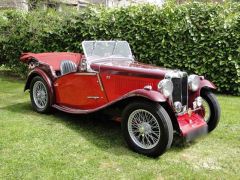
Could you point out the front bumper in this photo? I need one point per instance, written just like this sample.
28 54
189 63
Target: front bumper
192 126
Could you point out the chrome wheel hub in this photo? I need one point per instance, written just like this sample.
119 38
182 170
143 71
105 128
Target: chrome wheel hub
143 129
40 95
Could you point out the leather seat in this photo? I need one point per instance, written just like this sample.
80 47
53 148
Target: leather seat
67 66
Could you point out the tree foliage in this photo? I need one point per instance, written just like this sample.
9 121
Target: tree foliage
199 38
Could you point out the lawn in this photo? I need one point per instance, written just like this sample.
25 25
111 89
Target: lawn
63 146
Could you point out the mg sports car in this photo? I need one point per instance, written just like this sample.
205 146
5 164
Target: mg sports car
153 104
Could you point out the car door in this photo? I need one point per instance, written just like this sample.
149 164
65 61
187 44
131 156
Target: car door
80 90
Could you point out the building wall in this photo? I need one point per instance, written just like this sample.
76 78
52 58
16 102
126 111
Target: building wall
122 3
14 4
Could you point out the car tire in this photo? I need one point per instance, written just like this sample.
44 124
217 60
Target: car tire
163 126
214 107
39 94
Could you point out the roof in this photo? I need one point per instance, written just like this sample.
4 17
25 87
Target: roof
97 1
11 3
79 1
68 1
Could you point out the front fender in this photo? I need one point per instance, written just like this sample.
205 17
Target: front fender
206 83
148 94
203 84
38 72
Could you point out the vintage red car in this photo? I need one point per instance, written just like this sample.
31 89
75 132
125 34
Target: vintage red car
152 103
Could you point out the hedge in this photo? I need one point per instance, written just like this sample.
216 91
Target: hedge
196 37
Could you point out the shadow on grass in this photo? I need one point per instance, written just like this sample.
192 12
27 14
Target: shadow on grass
96 128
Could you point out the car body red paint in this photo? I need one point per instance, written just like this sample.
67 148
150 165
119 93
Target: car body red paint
108 83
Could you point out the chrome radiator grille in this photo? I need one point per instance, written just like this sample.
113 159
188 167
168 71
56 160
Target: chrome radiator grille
180 87
185 90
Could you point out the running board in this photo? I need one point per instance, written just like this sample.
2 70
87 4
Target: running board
72 110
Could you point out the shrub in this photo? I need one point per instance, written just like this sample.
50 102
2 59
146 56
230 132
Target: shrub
199 38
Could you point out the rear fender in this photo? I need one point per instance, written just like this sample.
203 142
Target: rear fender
38 72
26 57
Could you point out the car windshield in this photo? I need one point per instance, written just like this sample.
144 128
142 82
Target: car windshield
95 51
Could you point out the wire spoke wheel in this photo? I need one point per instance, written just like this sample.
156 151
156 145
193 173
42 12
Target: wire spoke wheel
147 128
207 111
211 109
40 95
144 129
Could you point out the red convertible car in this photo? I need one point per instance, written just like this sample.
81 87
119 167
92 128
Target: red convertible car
152 103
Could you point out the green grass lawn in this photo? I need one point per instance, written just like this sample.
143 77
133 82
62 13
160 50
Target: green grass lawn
64 146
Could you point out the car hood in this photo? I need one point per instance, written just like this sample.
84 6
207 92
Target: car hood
130 68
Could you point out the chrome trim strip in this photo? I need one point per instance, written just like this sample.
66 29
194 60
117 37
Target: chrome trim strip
86 74
93 97
86 111
185 112
100 82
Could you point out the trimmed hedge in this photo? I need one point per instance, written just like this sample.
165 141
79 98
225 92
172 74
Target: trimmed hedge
199 38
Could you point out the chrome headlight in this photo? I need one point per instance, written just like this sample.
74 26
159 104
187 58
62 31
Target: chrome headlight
193 82
165 87
178 106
